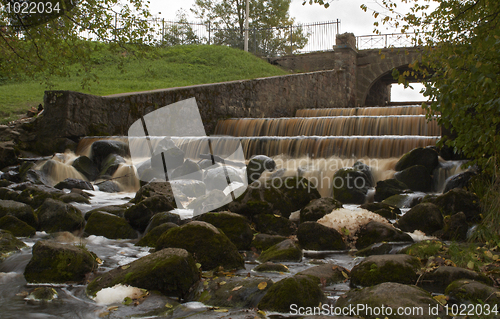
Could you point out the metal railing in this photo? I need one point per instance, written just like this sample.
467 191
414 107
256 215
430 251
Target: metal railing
380 41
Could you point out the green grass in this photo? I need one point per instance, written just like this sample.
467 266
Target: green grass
168 67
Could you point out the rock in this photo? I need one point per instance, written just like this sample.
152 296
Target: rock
286 250
188 170
265 241
426 157
151 237
391 296
388 188
327 274
109 226
280 196
42 294
257 165
381 248
9 244
110 164
377 269
70 183
161 218
271 267
8 155
460 180
58 263
302 291
108 187
21 211
171 271
16 226
74 198
205 163
460 200
55 216
191 188
376 232
443 276
118 210
384 210
209 246
235 227
314 236
367 170
455 227
140 214
318 208
154 188
273 225
101 149
173 156
425 217
402 201
472 292
35 195
86 167
216 178
424 249
350 186
417 178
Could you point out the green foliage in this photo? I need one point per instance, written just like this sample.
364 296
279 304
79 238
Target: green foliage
489 191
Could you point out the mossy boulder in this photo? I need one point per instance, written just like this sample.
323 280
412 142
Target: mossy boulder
286 250
210 247
274 225
42 294
16 226
425 217
416 177
376 232
151 237
58 263
171 271
471 291
154 188
393 295
74 198
35 195
108 186
21 211
382 248
455 228
377 269
9 244
70 183
109 226
118 210
460 180
424 249
403 200
235 227
327 274
271 267
161 218
141 213
350 186
389 187
460 200
189 187
257 165
86 167
442 276
110 164
318 208
101 149
384 210
262 242
314 236
55 216
299 290
426 157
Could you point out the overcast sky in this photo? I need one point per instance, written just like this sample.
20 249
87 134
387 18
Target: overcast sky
351 17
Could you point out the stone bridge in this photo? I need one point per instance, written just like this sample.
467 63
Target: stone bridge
370 71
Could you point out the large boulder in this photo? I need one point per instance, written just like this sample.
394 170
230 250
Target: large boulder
86 167
460 180
101 149
314 236
109 226
384 210
286 250
327 274
35 195
154 188
216 178
390 297
274 225
140 214
110 164
162 218
455 228
257 165
188 170
376 232
70 183
299 291
210 247
438 279
16 227
377 269
55 216
58 263
426 157
389 187
425 217
21 211
350 186
189 187
151 237
235 227
264 241
416 177
171 271
318 208
9 244
8 154
460 200
473 292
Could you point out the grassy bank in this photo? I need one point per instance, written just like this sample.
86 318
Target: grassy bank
166 68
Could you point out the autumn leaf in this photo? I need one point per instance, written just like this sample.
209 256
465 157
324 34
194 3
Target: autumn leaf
262 285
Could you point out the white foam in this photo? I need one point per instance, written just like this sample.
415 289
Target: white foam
351 220
116 294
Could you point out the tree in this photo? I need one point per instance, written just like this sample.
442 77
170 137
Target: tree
52 40
180 32
270 26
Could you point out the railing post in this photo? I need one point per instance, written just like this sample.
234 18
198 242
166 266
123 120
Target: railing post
291 39
162 30
209 32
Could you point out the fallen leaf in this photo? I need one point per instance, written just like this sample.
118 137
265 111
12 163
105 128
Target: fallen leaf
262 285
237 288
470 265
221 310
345 275
126 267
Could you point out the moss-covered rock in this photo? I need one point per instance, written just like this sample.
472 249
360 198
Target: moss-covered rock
416 177
460 180
86 167
426 157
460 200
154 188
35 195
441 277
384 210
16 226
70 183
384 268
109 226
389 187
271 267
74 198
393 295
235 227
55 216
108 186
425 217
42 294
286 250
455 228
314 236
302 291
423 249
377 249
327 274
403 200
318 208
118 210
101 149
110 164
274 225
350 186
210 247
376 232
9 244
161 218
257 165
465 291
151 237
140 214
21 211
58 263
171 271
262 242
